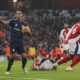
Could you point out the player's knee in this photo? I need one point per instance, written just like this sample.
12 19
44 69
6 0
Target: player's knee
24 55
11 56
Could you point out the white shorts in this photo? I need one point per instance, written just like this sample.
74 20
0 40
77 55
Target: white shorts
74 48
47 65
65 47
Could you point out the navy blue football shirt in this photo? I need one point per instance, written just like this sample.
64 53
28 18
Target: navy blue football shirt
16 29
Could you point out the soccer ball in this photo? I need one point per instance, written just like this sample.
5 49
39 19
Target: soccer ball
24 29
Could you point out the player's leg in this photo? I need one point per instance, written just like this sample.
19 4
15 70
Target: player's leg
75 61
11 58
24 61
65 59
10 63
72 51
21 51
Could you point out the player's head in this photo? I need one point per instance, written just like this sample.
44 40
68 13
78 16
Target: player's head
66 25
43 47
19 15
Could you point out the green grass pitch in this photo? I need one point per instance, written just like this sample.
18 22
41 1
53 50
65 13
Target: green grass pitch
18 74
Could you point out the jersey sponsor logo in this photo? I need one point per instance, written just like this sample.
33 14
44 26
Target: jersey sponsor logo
13 50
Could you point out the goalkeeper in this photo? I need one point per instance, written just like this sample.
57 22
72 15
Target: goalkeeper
18 27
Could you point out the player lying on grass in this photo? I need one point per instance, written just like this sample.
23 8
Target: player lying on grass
63 35
73 41
46 65
18 27
45 62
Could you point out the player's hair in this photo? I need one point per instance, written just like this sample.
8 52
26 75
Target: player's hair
18 11
66 24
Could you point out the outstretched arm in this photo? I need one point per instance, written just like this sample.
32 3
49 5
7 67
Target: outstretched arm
29 31
4 21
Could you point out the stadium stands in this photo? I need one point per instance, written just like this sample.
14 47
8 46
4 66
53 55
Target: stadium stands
45 25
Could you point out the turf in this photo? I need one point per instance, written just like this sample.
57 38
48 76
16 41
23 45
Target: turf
18 74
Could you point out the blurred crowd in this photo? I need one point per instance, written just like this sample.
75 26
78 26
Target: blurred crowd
45 27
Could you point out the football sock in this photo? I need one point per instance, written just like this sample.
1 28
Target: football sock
75 60
24 60
65 59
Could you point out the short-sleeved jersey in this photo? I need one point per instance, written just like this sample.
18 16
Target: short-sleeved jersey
74 32
63 33
16 29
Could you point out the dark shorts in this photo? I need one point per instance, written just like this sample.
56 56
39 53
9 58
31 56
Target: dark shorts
17 47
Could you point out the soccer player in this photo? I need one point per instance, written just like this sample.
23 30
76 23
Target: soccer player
57 53
18 28
73 40
62 36
64 31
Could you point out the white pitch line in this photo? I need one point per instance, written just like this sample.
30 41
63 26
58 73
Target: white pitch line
7 77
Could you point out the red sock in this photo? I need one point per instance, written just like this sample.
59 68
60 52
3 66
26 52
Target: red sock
65 59
75 60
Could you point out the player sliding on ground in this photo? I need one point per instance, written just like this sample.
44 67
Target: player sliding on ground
18 27
73 41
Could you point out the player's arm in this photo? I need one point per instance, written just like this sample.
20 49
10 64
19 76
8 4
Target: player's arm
29 31
4 21
69 34
61 34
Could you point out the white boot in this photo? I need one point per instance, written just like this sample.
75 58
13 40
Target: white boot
25 70
69 68
7 72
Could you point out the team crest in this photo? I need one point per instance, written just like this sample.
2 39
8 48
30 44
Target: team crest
16 25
